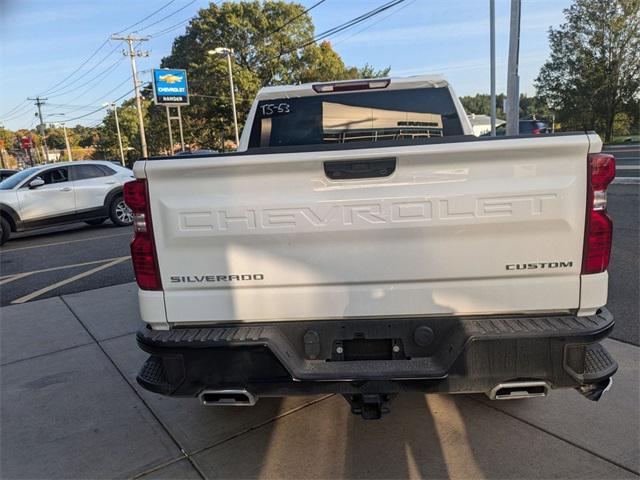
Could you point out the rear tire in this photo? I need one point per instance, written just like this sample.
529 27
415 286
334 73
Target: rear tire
96 221
120 213
5 231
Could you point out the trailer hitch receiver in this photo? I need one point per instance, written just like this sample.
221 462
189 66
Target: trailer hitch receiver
371 406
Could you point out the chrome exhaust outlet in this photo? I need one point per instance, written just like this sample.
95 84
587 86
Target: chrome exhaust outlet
515 390
227 398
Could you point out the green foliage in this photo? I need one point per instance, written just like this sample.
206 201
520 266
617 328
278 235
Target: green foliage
264 37
368 71
55 138
593 72
87 136
530 107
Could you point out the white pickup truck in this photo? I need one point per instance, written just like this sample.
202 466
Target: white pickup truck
361 241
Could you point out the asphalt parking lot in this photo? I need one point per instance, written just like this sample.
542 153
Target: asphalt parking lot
63 260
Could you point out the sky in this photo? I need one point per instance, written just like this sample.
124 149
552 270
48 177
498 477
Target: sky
42 42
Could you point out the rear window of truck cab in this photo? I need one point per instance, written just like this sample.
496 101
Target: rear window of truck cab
368 116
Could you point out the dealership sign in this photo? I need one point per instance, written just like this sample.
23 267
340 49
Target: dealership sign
170 87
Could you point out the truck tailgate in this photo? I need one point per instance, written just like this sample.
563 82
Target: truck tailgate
470 227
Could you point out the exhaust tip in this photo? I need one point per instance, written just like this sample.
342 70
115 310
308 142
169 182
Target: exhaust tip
515 390
227 398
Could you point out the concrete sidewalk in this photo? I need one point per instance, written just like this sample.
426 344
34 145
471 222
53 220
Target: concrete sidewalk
70 408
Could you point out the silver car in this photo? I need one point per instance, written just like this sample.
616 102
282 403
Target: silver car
53 194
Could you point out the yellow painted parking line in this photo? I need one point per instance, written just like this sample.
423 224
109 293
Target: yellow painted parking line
4 250
61 283
18 276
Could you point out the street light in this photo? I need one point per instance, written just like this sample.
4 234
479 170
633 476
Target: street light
66 137
115 113
222 51
66 142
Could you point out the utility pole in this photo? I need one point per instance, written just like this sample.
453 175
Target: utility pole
39 102
233 99
492 35
115 114
2 146
132 54
66 141
513 80
223 51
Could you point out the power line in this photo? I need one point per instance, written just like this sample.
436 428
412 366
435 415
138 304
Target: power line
94 125
98 101
175 26
98 109
147 17
102 45
113 89
170 28
79 107
15 108
165 17
289 22
51 89
18 113
99 80
353 22
334 43
344 26
56 93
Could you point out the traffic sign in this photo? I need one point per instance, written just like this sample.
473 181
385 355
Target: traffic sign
170 87
25 142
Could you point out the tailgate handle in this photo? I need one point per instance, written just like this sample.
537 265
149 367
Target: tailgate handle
369 168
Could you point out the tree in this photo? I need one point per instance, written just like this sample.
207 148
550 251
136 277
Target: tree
593 72
55 138
530 107
480 104
9 138
272 44
87 136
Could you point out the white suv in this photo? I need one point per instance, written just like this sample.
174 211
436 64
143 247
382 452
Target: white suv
46 195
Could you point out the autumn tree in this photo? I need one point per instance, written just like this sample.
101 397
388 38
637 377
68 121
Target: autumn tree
55 138
593 73
272 44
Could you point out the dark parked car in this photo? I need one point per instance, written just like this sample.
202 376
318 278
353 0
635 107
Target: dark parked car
535 127
6 173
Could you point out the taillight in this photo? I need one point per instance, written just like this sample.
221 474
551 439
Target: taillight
143 249
599 228
536 131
